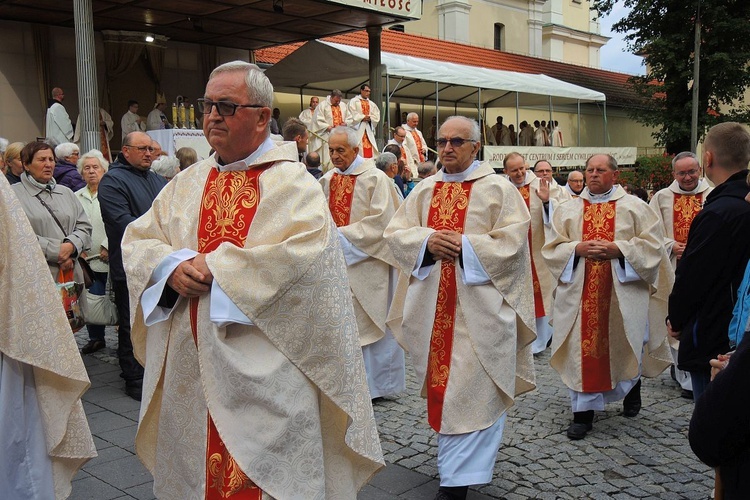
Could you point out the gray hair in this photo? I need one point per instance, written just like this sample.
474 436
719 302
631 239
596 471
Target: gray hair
611 161
573 172
351 135
336 93
3 145
685 154
412 115
166 166
385 160
259 87
65 149
474 132
425 168
97 155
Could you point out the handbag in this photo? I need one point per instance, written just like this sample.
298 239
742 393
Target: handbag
88 273
72 296
101 309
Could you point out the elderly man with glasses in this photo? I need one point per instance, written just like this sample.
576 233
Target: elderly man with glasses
677 205
125 193
254 384
464 305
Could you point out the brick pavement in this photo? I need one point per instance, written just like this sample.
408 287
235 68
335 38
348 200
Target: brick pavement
644 457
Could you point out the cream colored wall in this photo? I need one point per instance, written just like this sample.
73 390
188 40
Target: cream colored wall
577 15
428 24
576 53
482 19
21 110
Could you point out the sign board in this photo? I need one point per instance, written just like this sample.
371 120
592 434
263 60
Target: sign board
407 9
558 157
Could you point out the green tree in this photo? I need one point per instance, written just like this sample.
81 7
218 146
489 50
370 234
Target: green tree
663 30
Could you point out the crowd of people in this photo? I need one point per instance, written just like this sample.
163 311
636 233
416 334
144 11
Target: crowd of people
269 293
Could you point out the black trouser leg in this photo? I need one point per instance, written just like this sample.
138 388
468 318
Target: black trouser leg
132 371
583 417
452 493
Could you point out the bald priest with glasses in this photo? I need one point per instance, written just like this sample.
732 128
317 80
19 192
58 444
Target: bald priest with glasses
464 304
255 385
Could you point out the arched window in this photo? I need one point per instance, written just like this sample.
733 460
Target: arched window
499 36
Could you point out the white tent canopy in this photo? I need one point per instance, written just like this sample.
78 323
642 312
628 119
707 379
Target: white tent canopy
320 65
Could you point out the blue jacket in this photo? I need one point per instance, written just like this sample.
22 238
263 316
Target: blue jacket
125 193
66 174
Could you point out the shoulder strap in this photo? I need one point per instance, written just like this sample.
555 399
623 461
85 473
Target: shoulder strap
49 209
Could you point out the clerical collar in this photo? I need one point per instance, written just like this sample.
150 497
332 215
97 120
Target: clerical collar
356 163
603 197
461 176
240 165
692 191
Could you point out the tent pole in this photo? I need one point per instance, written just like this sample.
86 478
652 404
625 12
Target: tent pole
388 102
301 101
549 124
517 118
374 34
437 105
606 132
578 103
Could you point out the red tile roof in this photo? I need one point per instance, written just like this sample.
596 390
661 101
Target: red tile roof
614 85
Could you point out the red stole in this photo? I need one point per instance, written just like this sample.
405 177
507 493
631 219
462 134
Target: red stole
538 297
230 200
684 209
450 201
340 196
418 142
598 223
367 150
336 114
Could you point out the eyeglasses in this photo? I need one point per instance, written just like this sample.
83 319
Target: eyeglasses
142 149
456 142
224 108
691 173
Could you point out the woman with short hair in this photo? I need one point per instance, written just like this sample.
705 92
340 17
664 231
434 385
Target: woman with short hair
57 217
13 163
66 173
92 166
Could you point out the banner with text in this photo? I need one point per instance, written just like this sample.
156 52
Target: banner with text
411 9
558 157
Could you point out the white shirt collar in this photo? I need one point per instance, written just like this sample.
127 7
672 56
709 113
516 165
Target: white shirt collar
461 176
351 168
603 197
240 165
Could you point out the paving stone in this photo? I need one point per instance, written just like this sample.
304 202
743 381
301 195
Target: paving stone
92 488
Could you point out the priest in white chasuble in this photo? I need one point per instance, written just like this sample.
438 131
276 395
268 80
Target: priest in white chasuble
364 116
330 113
254 383
606 250
45 437
464 303
362 201
677 205
541 194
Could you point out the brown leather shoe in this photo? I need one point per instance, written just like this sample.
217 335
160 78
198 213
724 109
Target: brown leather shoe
93 346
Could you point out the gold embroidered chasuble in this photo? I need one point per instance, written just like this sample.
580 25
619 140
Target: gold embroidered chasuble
326 115
665 203
634 306
547 282
358 109
491 359
288 394
34 330
371 205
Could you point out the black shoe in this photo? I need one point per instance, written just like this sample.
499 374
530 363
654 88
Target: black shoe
631 405
686 394
578 430
93 346
673 373
452 493
134 392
